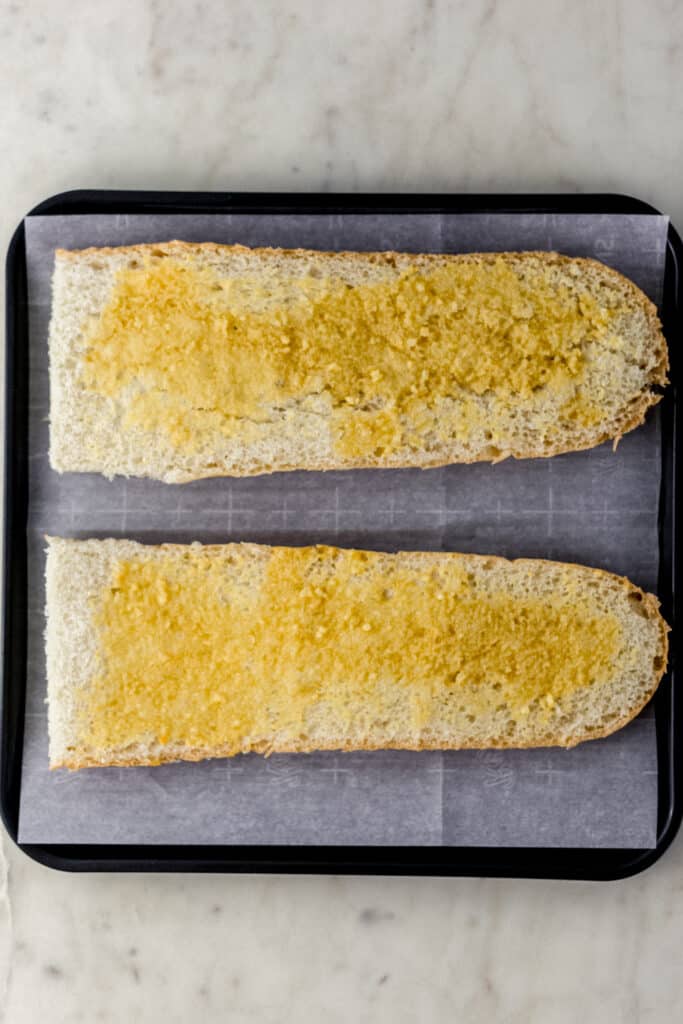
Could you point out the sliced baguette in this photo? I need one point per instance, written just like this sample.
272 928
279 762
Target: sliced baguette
92 430
367 699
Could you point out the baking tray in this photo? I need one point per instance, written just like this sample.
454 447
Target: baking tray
517 861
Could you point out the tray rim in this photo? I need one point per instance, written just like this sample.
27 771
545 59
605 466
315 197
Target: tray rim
522 862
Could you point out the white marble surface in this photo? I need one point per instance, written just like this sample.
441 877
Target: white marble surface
400 94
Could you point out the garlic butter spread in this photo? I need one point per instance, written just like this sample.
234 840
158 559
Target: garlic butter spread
393 360
213 647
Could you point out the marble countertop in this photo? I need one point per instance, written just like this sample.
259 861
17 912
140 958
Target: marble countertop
413 95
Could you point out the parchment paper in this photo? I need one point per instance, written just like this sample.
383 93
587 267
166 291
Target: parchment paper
596 507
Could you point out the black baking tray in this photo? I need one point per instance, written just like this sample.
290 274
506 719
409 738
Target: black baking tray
524 862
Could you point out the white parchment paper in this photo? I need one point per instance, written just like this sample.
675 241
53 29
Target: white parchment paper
596 507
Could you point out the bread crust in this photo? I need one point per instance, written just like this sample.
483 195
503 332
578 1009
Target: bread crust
649 605
629 418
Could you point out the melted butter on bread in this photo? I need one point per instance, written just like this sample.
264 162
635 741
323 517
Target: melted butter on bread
393 361
202 648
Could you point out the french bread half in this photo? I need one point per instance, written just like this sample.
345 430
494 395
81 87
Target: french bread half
184 652
179 361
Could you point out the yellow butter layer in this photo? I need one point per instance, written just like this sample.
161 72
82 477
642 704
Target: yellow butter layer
197 355
207 648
